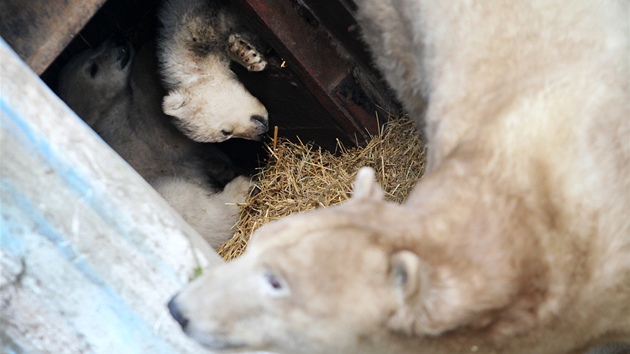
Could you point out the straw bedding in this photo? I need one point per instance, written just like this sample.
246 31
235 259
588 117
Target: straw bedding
301 177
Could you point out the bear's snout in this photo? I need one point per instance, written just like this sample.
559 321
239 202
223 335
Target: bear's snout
176 313
262 120
262 126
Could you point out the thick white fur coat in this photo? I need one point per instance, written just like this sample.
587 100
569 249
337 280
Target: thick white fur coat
517 240
208 101
118 94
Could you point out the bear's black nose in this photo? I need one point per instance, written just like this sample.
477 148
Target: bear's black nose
177 315
260 119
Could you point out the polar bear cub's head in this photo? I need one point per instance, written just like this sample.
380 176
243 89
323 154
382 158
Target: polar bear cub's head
95 79
216 107
323 281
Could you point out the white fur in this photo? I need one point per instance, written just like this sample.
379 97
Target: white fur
122 104
517 240
212 214
205 96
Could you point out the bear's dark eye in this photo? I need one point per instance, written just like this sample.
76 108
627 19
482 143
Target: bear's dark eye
274 282
226 132
93 69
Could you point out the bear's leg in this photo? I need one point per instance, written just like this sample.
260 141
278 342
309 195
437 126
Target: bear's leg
244 53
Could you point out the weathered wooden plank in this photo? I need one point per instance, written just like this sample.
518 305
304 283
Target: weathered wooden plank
89 253
38 30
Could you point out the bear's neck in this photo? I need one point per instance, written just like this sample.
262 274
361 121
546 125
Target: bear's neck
483 238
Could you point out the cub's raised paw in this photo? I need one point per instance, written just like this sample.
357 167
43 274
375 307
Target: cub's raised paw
245 54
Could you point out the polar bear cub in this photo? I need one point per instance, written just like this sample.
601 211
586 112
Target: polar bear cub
197 41
118 94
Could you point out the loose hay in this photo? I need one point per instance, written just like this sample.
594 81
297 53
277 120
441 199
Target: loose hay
301 177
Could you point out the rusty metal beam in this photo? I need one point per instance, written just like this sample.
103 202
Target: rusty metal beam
313 57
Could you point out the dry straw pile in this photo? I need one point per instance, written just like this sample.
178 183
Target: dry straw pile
300 177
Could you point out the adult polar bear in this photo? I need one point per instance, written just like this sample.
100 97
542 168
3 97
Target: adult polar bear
517 240
197 41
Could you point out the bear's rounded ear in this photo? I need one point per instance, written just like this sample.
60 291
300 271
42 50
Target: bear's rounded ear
409 277
429 300
365 185
173 102
405 273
